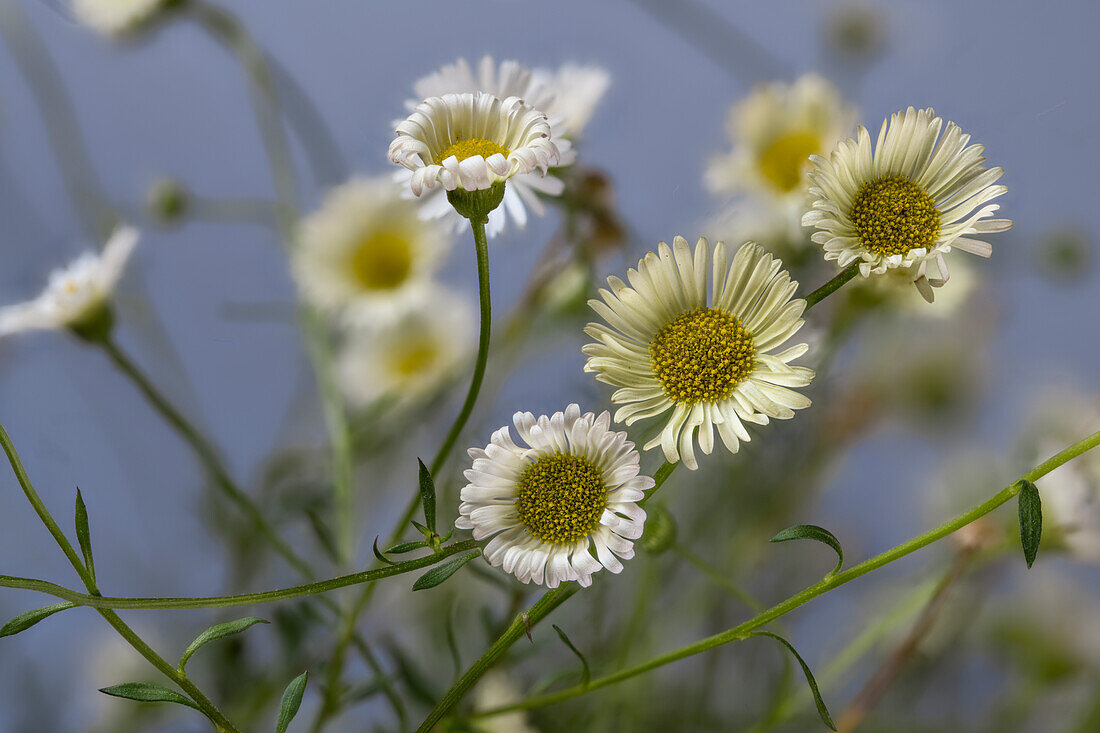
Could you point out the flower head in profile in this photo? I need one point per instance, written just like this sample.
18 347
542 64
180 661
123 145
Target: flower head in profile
114 18
707 362
471 142
906 201
774 132
568 488
410 356
366 251
567 97
77 296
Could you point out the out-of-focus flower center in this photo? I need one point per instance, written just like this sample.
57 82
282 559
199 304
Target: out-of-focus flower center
701 355
382 260
415 358
470 147
561 498
785 158
893 215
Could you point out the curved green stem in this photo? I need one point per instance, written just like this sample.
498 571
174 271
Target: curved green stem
205 704
243 599
833 285
743 631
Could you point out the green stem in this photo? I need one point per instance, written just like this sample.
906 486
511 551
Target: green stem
743 631
833 285
659 478
208 708
521 625
243 599
205 452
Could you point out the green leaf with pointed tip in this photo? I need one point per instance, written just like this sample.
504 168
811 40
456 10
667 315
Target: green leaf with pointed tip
83 534
25 620
145 692
292 700
379 555
405 547
586 673
218 631
427 495
1031 521
813 532
441 572
822 711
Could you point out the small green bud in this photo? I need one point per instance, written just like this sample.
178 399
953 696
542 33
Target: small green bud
168 202
476 205
660 530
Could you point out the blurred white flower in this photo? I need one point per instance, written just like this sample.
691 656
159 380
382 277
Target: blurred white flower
408 357
472 141
77 294
709 362
497 689
568 97
751 219
905 202
366 252
895 287
572 486
774 132
113 18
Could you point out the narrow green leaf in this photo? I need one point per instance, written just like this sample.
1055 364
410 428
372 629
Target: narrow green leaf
1031 521
427 495
83 535
25 620
292 700
441 572
218 631
822 711
813 532
586 673
145 692
405 547
379 555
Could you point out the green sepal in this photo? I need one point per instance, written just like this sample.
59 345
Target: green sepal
476 205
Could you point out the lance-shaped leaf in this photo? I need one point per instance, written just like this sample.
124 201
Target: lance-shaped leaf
822 711
218 631
145 692
292 700
427 495
379 555
1031 520
403 547
813 532
27 619
441 572
586 673
83 534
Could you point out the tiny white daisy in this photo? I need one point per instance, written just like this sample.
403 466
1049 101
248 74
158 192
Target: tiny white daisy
77 294
905 202
774 132
366 251
568 97
409 357
667 348
114 18
571 486
472 141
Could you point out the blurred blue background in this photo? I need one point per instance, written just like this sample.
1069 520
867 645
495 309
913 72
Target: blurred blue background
1021 77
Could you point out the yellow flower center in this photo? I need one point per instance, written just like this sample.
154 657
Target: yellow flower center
893 215
382 260
561 498
784 159
470 147
415 358
702 355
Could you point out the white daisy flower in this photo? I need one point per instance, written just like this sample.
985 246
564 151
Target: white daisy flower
710 363
472 141
774 132
906 202
568 97
573 485
366 251
113 18
77 295
409 357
